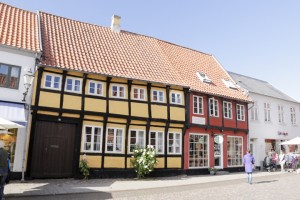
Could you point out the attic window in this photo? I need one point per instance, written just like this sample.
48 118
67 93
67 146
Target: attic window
229 84
203 77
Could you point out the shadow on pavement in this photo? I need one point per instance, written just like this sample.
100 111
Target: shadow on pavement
259 182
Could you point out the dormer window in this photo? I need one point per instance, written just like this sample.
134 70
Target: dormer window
203 77
229 84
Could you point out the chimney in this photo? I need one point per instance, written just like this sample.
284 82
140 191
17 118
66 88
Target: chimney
115 23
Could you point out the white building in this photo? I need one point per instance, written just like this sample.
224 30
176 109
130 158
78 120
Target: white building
273 117
19 50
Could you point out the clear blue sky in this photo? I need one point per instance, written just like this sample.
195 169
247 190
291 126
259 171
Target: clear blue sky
256 38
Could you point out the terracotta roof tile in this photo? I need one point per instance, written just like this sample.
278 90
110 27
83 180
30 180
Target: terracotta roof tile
18 28
74 45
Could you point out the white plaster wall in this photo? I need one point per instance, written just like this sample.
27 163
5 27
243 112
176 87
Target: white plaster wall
259 130
24 60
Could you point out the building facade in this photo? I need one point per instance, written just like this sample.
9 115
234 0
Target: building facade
19 52
273 117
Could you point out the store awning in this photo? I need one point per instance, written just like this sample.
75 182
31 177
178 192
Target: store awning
14 112
6 124
294 141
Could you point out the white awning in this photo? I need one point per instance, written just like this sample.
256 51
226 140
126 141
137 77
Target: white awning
294 141
6 124
14 112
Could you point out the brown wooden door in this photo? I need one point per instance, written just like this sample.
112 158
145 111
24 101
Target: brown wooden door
53 150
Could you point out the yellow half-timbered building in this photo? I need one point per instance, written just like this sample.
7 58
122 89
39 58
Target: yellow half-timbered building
101 93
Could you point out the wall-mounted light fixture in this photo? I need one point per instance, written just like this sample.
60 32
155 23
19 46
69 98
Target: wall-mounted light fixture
28 79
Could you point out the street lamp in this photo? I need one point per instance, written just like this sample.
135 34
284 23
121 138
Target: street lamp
28 79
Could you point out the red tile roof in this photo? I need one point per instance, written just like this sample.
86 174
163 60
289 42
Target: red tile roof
73 45
18 28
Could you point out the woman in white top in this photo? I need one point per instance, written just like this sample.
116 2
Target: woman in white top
282 160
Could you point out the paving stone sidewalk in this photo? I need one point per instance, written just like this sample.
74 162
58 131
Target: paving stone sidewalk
72 186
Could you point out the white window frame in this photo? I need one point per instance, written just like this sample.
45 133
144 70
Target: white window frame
280 114
176 98
53 76
159 93
208 151
229 84
242 153
115 140
174 143
227 109
137 138
73 84
92 138
139 93
156 141
203 77
199 103
254 112
267 112
214 110
240 112
293 115
118 91
95 89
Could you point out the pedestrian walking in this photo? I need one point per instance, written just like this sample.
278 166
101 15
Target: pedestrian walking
282 160
249 165
3 168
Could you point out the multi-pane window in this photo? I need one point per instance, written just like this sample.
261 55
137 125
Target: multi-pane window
138 94
9 76
73 84
92 139
267 112
52 81
157 141
213 107
198 105
118 91
254 112
198 151
137 139
293 115
157 96
114 140
280 114
96 88
227 109
240 112
175 98
235 151
174 143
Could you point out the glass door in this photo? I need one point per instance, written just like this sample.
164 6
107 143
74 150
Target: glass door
218 151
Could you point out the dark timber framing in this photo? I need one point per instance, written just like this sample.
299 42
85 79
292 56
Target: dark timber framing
128 121
167 125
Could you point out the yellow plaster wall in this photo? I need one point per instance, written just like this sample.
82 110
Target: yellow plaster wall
139 82
118 120
158 124
114 162
71 115
129 164
118 107
92 123
110 125
153 128
177 113
159 111
175 130
120 80
48 99
142 127
98 77
139 109
177 125
97 105
75 73
174 162
91 117
138 122
72 102
161 163
54 70
180 92
47 113
93 161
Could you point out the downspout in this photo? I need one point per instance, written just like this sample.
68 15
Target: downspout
28 106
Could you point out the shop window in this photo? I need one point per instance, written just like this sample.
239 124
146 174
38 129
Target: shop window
235 151
157 141
198 151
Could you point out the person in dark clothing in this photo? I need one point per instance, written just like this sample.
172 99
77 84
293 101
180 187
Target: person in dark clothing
3 168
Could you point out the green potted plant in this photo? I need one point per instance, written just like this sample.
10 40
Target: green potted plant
212 170
84 167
